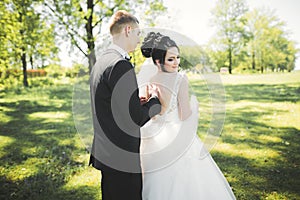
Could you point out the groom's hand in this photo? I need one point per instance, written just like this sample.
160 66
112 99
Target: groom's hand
143 100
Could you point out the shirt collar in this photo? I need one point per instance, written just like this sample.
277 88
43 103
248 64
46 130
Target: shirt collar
123 53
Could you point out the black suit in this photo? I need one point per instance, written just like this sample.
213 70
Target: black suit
117 118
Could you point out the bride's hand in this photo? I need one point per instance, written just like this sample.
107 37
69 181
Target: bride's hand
152 91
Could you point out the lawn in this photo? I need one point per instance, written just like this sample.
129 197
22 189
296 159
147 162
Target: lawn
42 156
258 150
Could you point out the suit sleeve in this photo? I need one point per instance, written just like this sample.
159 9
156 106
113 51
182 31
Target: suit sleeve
126 93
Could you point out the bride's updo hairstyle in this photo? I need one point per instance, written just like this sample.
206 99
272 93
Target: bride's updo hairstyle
155 45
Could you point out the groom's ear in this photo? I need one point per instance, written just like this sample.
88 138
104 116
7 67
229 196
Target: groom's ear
127 29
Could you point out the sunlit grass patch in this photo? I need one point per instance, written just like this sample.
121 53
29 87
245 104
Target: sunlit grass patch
4 118
269 139
44 131
24 170
85 177
5 141
49 117
275 196
245 151
283 114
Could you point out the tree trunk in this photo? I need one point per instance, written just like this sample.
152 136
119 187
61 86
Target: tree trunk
90 38
92 60
253 60
31 62
262 66
24 65
230 61
23 54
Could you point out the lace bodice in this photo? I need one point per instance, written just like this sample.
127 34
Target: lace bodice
157 123
171 112
167 136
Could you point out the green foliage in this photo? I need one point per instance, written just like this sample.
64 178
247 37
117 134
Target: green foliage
82 22
190 56
25 37
250 40
269 45
230 22
10 81
218 58
55 71
151 12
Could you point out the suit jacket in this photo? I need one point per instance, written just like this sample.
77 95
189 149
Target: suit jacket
117 114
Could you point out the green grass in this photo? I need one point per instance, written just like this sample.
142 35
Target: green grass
259 148
42 156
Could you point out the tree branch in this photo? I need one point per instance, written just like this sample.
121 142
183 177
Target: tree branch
69 30
97 2
99 21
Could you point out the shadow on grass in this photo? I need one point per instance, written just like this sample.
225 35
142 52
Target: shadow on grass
264 93
42 148
41 186
263 159
41 155
260 175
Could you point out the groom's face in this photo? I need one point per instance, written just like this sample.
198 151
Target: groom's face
133 33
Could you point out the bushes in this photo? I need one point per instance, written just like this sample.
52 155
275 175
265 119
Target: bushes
36 73
49 75
17 73
10 72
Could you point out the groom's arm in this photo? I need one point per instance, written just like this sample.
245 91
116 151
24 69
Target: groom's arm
123 79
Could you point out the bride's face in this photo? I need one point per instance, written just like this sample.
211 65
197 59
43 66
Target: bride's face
172 60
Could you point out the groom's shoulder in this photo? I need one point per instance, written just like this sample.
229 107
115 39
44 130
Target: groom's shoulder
110 55
107 58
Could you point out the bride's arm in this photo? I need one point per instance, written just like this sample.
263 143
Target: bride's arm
184 109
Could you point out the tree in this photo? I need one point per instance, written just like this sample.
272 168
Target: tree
82 22
254 27
255 40
28 36
191 56
269 45
229 18
7 36
217 55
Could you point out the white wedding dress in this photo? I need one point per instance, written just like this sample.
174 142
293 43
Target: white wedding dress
175 163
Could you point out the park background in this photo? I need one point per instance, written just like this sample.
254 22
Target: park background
48 46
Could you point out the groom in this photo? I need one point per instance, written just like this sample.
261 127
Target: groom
118 113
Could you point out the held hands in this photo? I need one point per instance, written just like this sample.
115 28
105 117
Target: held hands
143 100
151 91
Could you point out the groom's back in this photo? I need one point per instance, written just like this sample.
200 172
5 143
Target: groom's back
108 134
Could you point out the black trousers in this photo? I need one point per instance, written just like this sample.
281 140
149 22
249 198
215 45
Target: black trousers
116 185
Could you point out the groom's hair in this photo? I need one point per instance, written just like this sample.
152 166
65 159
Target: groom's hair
119 20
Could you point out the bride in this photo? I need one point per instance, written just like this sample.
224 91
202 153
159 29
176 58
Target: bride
173 168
